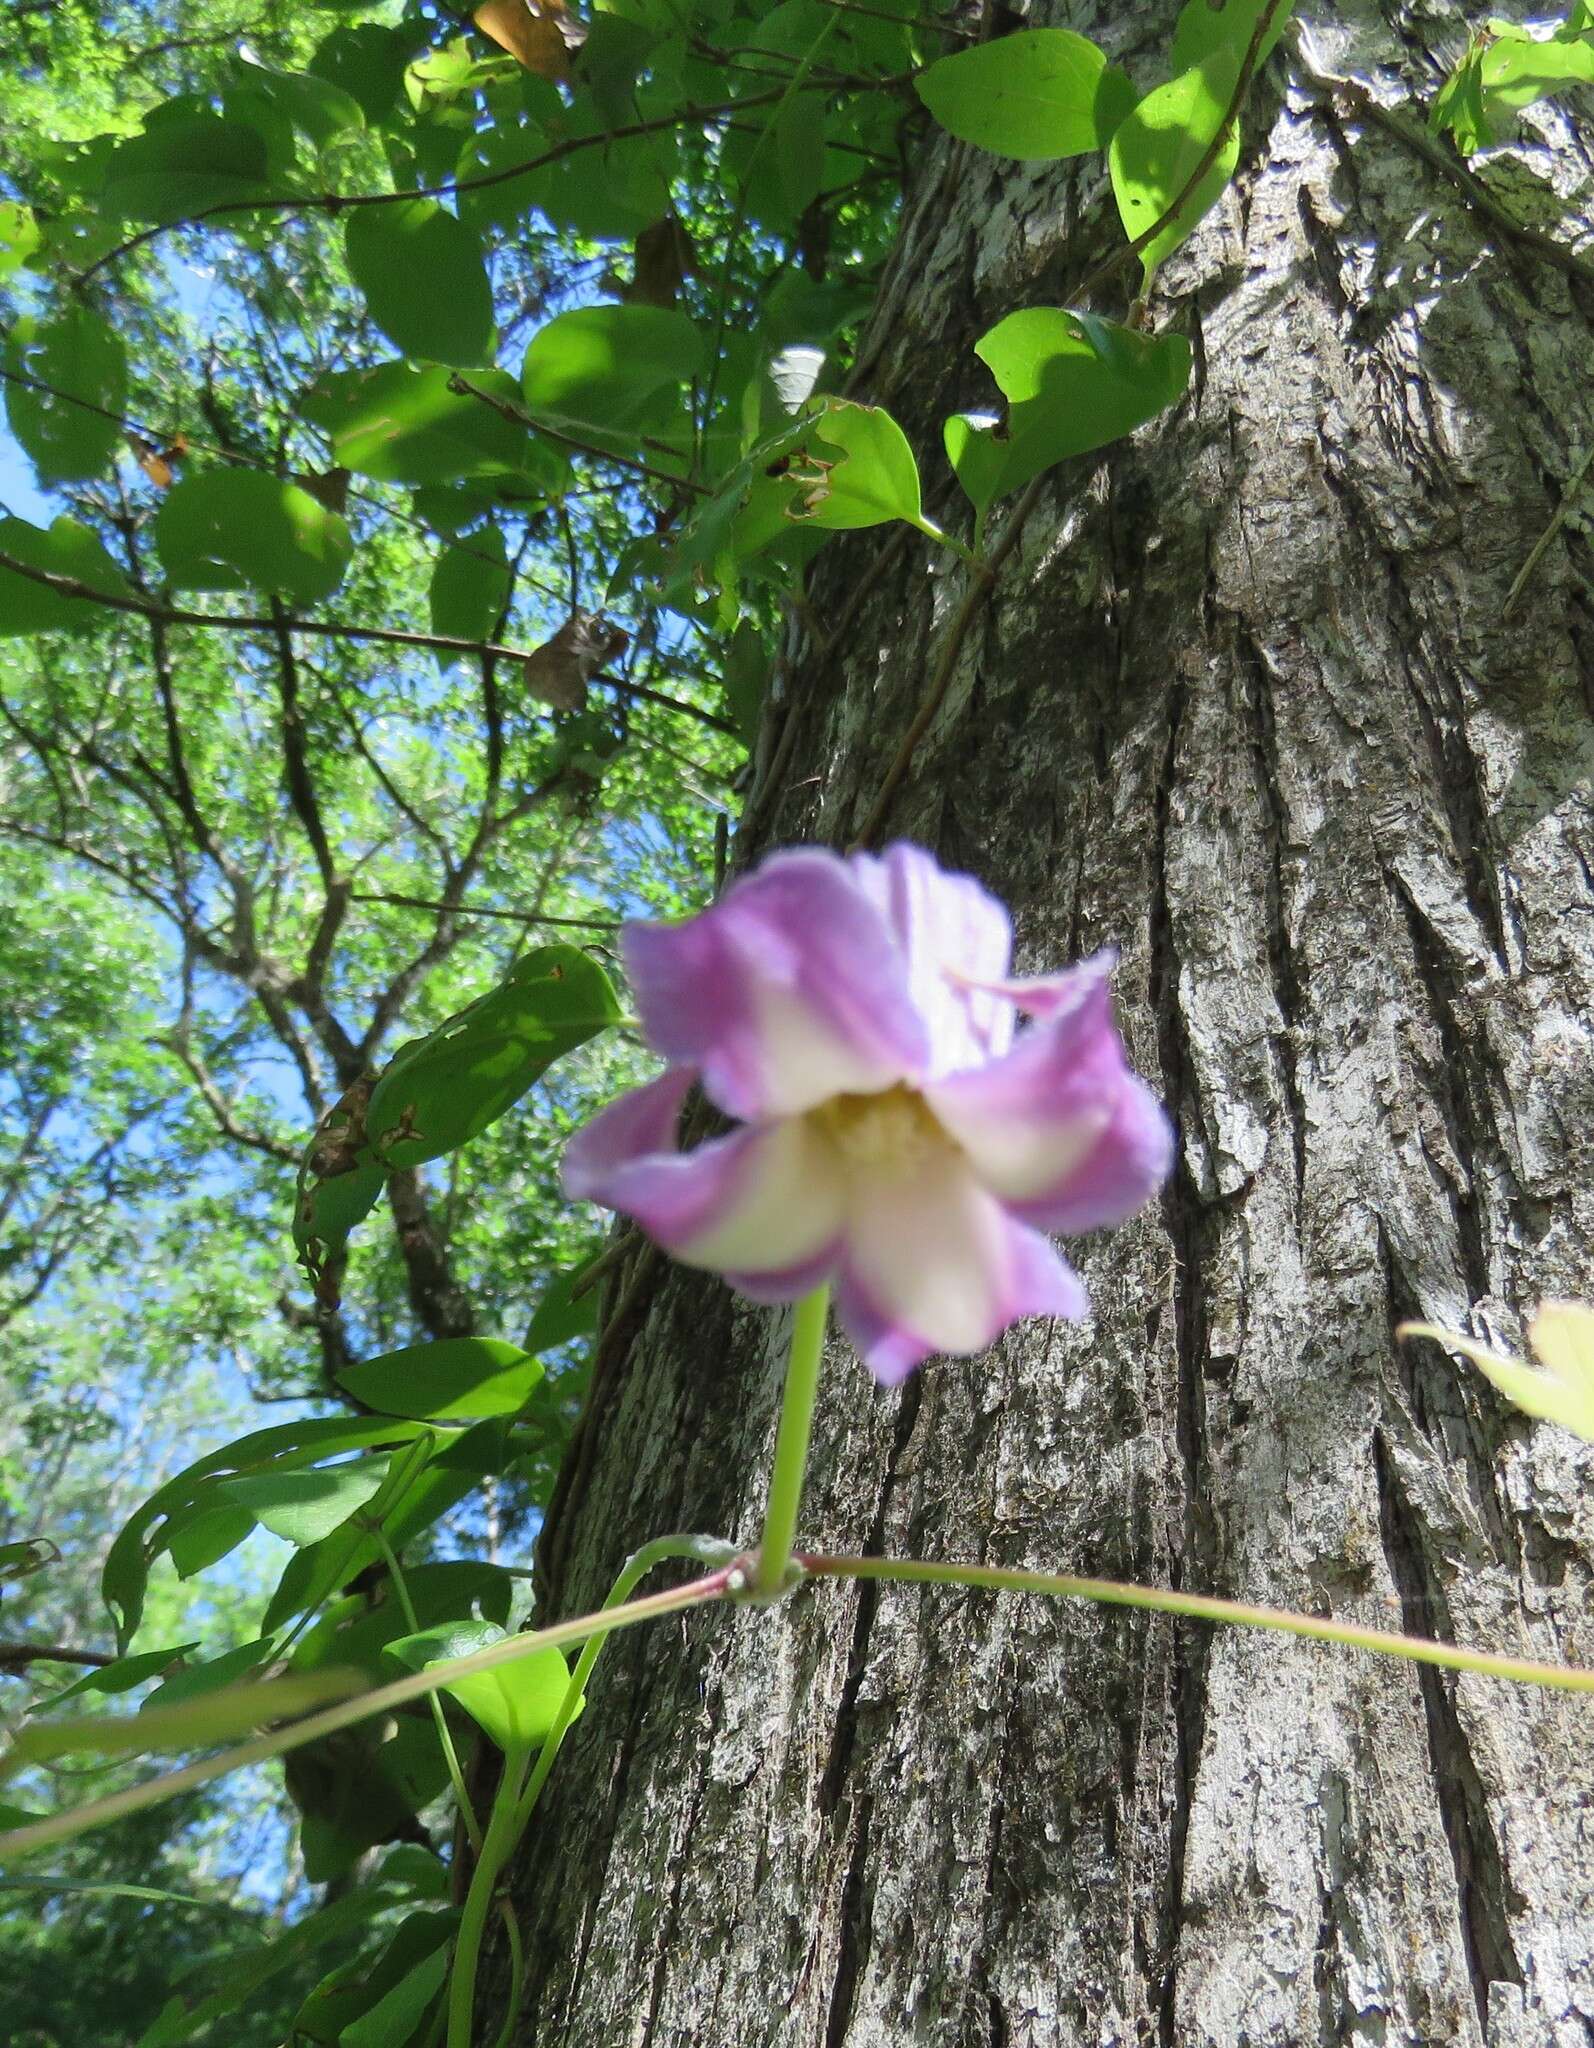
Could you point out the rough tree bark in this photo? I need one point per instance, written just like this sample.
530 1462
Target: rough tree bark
1246 705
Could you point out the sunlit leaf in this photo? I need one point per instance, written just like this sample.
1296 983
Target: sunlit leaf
1561 1389
856 469
438 1092
424 280
19 235
470 587
1204 28
183 163
302 1507
1157 150
454 1379
238 529
402 424
516 1704
80 357
609 366
1072 382
1034 94
67 549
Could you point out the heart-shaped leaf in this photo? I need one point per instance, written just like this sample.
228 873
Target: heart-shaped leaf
1035 94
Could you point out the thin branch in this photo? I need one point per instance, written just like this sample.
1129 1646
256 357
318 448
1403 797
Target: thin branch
334 203
325 629
16 1657
583 924
179 1044
517 416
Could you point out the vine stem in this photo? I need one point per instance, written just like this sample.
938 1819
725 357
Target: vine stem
416 1685
791 1441
1202 1607
498 1846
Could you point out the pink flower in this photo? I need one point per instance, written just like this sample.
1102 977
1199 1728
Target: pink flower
896 1133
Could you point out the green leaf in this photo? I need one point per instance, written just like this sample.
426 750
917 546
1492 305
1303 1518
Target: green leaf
438 1092
516 1704
608 192
455 1379
320 110
376 2001
204 1539
197 1680
873 477
1204 29
123 1674
609 367
424 280
19 235
237 529
1035 94
328 1209
351 1632
401 424
67 549
1157 149
470 588
561 1315
394 2016
20 1560
747 666
367 63
290 1445
1517 70
302 1507
1073 382
80 357
1458 105
183 163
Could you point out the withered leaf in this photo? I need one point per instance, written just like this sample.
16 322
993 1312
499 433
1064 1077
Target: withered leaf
557 672
156 465
539 34
665 257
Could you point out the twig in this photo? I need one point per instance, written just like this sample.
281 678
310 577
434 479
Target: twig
325 629
518 416
980 587
596 924
334 203
16 1657
1558 519
1472 189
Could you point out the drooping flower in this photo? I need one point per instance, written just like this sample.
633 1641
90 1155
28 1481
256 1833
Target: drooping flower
897 1132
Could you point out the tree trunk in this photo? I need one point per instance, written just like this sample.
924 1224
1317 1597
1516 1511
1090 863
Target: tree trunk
1245 704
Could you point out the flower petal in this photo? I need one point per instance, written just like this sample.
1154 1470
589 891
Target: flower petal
789 990
957 940
934 1265
763 1204
1061 1130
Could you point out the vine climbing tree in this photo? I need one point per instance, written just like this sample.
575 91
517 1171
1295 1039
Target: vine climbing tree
1133 463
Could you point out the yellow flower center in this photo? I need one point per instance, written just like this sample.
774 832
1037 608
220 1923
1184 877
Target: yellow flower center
894 1131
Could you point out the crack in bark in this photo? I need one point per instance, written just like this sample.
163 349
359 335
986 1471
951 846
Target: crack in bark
854 1928
1284 970
1482 1904
1181 1203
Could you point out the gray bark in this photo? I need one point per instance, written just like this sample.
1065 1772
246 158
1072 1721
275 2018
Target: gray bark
1246 706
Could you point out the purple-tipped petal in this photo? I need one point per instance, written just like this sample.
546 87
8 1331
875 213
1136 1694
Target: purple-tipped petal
1048 996
1026 1276
636 1124
789 990
957 940
1060 1129
765 1201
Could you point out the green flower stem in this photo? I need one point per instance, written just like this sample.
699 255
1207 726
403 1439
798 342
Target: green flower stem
498 1846
512 1810
381 1699
791 1441
1201 1607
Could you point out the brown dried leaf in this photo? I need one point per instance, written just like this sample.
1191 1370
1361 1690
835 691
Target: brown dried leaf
539 34
156 466
558 670
665 257
329 487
